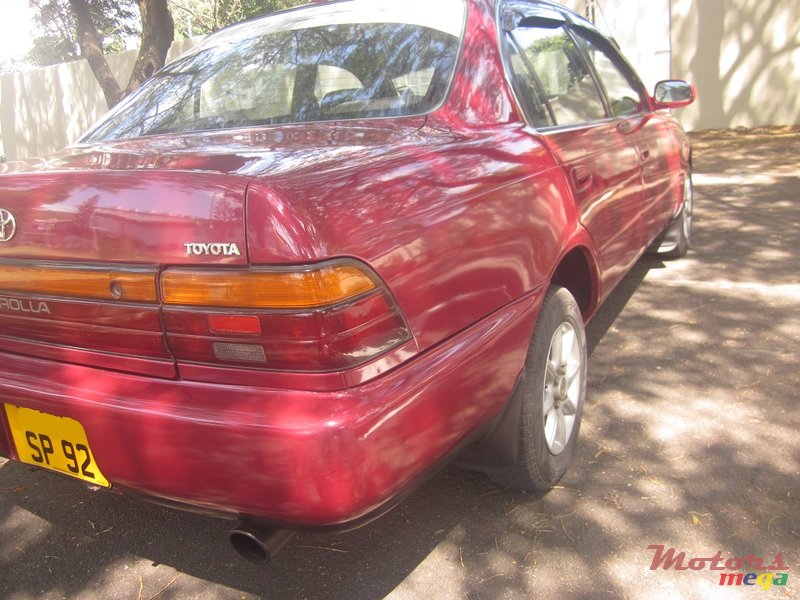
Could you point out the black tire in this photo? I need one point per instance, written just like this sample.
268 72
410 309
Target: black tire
677 239
540 463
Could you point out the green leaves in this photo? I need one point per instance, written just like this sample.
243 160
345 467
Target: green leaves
117 21
199 17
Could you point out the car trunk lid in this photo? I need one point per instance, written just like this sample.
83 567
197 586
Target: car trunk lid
81 250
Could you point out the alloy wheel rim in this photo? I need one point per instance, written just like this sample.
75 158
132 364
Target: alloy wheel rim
562 388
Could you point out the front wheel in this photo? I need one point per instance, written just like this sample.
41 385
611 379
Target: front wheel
676 240
554 391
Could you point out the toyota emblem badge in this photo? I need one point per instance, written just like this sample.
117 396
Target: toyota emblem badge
8 225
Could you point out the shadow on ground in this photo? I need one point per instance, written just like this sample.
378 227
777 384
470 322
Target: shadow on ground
690 440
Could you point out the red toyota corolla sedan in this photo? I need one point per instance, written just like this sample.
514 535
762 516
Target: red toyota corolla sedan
329 250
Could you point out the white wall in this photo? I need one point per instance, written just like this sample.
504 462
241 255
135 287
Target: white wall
744 58
642 31
742 55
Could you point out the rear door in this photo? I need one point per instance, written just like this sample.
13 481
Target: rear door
562 98
627 102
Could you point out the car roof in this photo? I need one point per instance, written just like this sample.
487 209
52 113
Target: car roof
313 4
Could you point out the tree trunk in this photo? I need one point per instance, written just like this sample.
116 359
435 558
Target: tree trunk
92 50
158 31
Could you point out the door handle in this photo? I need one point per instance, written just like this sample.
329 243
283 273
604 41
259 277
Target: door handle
625 127
581 178
644 152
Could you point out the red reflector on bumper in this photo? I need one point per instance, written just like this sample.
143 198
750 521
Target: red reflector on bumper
234 324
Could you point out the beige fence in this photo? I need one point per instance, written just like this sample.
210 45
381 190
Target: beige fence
43 110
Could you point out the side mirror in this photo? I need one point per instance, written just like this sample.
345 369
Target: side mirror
673 93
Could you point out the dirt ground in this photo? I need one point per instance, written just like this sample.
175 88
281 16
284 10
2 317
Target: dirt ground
690 440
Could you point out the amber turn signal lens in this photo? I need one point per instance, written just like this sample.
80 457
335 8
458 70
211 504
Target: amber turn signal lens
322 286
130 285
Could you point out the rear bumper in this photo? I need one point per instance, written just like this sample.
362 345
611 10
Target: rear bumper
293 457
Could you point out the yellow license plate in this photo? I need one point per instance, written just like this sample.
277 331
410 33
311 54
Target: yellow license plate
57 443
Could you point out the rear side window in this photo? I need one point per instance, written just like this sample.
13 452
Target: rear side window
555 65
530 91
346 60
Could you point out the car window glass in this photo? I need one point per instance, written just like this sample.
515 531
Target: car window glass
529 90
375 59
622 94
416 82
565 78
254 94
332 80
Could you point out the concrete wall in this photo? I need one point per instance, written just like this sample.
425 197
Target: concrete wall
744 58
43 110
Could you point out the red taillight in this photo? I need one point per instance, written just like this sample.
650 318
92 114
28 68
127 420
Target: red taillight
323 318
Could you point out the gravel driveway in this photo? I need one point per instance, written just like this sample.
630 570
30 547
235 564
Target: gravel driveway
690 440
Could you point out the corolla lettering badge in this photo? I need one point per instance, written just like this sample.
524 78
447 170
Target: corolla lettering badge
20 305
8 225
206 249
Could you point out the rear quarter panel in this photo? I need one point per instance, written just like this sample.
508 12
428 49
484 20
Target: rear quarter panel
457 226
460 219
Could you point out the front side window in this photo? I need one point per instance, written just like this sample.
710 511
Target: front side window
564 78
358 59
622 90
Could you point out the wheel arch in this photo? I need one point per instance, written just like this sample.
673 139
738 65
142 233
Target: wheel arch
577 272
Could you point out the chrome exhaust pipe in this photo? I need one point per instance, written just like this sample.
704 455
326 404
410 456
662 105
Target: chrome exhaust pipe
258 543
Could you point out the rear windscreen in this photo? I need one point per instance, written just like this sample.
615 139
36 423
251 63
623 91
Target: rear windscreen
262 74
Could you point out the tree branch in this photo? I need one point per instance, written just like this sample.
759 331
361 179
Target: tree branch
158 31
203 20
92 50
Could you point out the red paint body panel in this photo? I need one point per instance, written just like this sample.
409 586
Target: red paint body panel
611 206
103 215
463 216
487 227
290 456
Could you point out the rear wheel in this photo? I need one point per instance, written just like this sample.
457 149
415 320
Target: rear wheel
554 390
